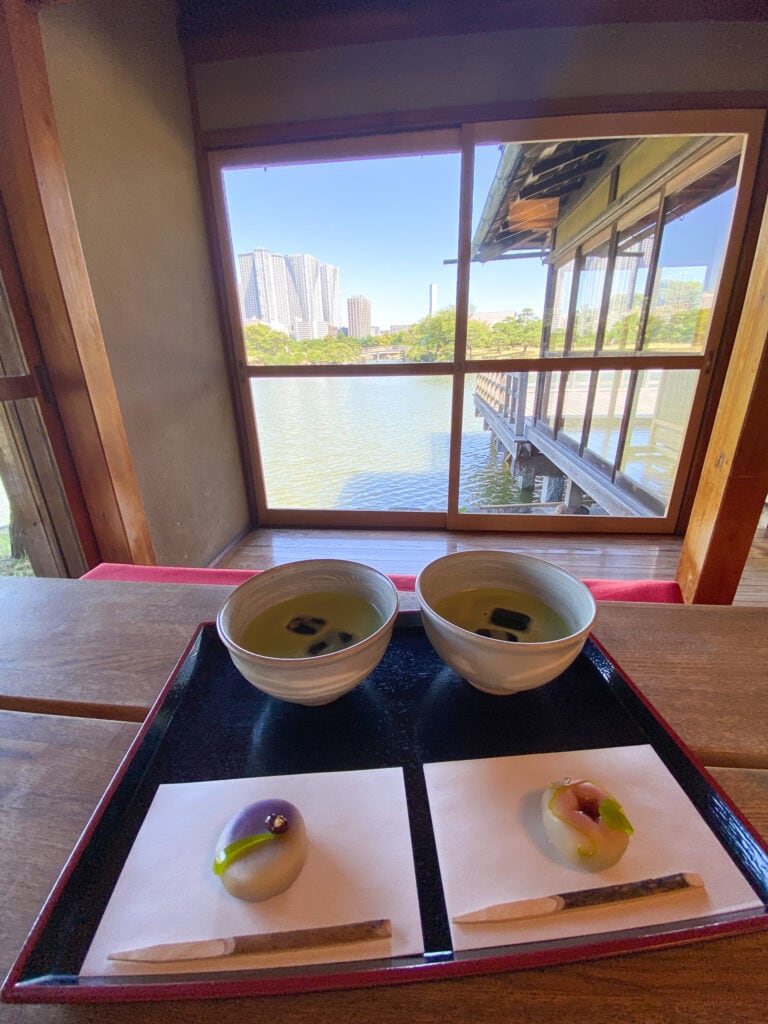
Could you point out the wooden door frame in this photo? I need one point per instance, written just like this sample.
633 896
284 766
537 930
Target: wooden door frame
52 267
53 495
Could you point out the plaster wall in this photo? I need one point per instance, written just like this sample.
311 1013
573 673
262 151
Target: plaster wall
483 69
120 96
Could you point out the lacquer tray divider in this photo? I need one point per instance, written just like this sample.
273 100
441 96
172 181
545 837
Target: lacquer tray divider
414 681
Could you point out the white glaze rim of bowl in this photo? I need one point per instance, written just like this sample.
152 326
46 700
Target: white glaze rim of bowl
511 569
323 573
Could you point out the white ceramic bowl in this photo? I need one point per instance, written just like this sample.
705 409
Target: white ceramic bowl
315 679
499 666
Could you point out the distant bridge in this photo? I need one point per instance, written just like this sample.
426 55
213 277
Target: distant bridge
384 354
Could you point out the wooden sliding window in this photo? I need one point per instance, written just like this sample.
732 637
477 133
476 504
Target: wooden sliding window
37 531
503 326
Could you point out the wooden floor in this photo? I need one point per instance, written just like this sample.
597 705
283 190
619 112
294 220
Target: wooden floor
399 551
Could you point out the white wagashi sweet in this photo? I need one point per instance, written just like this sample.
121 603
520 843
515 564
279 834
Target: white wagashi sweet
261 850
585 823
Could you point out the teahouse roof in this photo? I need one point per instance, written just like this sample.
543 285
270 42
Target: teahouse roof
535 185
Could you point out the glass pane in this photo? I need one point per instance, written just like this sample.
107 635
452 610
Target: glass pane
499 472
517 466
694 234
657 426
37 534
589 298
377 443
346 261
607 415
37 537
486 482
14 560
560 306
509 466
575 405
629 283
549 387
506 292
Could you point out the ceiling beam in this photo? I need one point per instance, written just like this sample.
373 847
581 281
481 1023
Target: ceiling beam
212 30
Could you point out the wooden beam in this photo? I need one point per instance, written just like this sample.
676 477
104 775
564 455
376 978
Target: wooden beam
39 209
219 31
532 214
14 388
734 479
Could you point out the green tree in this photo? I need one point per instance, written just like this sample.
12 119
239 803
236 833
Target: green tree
431 339
265 346
520 331
624 332
479 337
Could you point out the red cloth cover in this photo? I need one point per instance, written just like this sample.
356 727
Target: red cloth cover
660 591
664 591
166 574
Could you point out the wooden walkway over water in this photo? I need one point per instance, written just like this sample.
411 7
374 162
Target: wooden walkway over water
578 457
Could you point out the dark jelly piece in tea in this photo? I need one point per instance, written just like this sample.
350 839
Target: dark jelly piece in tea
497 634
339 641
318 648
509 619
306 625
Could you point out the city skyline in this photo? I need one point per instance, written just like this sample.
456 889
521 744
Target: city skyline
359 316
297 294
294 293
390 224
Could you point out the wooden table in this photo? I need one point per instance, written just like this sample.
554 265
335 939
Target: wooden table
90 650
104 649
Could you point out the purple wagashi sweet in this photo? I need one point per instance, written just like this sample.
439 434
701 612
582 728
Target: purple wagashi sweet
261 850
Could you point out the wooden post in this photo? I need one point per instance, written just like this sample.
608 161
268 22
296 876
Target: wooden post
39 209
734 477
522 398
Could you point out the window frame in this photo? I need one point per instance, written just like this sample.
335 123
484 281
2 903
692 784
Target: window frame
746 122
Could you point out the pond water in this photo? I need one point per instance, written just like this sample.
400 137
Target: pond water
373 444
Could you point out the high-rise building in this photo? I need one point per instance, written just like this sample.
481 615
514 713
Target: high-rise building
329 294
432 299
359 316
289 292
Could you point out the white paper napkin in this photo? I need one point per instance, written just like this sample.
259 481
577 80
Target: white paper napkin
359 866
492 847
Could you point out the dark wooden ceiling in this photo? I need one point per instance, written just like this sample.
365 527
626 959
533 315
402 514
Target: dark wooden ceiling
217 29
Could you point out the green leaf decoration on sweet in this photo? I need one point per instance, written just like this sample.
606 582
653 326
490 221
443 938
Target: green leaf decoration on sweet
229 854
614 817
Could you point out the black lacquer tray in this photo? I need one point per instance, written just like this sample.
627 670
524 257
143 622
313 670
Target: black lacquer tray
209 723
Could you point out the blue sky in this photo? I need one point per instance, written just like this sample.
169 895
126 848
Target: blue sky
388 225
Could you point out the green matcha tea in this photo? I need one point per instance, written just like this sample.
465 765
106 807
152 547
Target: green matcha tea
311 624
503 614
